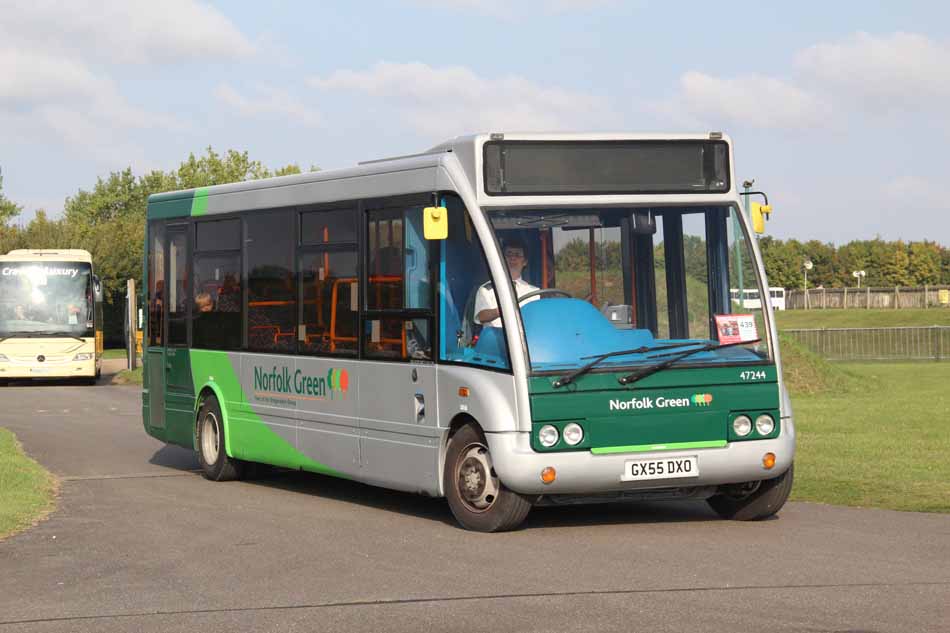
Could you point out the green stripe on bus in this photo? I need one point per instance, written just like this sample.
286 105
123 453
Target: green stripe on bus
199 204
658 447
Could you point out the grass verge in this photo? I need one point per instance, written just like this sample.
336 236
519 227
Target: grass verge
27 490
128 377
877 435
794 319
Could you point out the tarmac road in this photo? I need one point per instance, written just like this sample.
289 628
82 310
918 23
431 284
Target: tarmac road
141 542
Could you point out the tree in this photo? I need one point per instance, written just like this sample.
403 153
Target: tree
924 263
897 266
8 209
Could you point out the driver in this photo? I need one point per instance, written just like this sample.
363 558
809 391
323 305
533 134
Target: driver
486 306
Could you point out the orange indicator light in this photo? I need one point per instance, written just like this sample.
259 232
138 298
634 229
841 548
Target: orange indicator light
768 461
548 475
463 392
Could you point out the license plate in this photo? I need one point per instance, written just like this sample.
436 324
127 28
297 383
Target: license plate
664 468
38 370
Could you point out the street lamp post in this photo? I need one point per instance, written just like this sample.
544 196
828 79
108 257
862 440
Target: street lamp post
807 266
857 275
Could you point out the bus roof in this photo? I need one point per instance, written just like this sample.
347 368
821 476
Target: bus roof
50 254
417 173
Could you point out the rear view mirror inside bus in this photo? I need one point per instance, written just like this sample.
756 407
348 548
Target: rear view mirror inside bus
436 223
643 222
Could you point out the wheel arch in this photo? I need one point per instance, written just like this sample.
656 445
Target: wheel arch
213 389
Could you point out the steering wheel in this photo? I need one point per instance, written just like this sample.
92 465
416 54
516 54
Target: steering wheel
544 291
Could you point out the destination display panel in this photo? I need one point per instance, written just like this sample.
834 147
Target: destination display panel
513 168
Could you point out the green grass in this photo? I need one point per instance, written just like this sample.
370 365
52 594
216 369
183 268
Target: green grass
114 353
27 490
127 377
880 438
793 319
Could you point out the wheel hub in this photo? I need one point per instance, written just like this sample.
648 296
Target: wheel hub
477 482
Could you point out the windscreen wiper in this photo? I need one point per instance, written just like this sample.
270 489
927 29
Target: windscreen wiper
652 369
569 378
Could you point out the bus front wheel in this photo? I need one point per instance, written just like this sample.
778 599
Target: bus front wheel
214 460
479 501
753 501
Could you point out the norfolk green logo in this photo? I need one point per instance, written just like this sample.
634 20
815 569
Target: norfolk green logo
702 399
280 380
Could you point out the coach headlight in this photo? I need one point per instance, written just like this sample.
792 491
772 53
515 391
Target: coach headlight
742 425
548 436
573 434
764 424
83 356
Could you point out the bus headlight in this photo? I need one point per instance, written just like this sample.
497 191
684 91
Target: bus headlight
547 436
764 424
83 356
573 434
742 425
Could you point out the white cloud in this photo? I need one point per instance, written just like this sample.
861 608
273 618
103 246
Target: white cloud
918 192
450 100
56 59
884 73
130 32
516 8
753 100
271 102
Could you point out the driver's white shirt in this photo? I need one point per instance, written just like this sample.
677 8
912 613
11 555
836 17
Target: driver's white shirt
485 299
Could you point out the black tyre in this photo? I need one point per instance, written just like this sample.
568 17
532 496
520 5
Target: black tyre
214 460
753 501
479 501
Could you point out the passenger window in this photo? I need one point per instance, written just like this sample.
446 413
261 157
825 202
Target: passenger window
398 261
156 284
466 277
330 296
398 338
216 313
398 280
178 294
271 292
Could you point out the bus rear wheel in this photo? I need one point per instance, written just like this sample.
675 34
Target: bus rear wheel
751 502
479 501
212 455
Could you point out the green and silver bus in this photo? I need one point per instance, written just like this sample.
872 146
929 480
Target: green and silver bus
505 320
50 316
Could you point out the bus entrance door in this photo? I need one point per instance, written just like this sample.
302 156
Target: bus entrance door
399 425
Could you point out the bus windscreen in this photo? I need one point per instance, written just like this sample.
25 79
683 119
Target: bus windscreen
45 298
605 167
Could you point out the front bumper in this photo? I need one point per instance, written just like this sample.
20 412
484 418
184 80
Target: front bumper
14 370
581 472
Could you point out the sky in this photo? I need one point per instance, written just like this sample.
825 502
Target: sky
840 110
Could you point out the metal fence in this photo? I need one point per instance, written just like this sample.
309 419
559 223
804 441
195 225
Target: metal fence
880 298
877 343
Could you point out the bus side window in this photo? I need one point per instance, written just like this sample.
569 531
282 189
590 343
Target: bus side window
156 283
398 290
271 291
465 273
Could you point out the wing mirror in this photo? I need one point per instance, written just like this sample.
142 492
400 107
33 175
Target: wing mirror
435 223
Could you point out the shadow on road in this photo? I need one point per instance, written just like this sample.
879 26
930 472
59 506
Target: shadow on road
176 457
346 491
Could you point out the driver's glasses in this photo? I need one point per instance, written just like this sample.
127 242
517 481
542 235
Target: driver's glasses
514 254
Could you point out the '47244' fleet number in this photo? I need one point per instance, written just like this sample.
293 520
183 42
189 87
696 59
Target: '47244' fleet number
757 374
